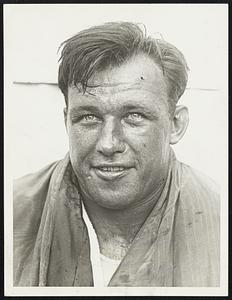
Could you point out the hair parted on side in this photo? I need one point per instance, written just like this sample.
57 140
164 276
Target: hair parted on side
111 44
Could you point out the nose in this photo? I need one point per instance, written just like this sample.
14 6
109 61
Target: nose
110 140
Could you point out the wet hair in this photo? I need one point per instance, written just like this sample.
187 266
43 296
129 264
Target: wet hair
112 44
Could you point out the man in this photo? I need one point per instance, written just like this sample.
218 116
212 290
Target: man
119 210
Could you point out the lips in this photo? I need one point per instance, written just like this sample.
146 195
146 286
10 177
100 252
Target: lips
111 172
111 169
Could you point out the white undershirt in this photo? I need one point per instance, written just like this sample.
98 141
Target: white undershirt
109 266
103 267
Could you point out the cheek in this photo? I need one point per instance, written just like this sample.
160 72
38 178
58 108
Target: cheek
154 157
149 140
81 144
151 147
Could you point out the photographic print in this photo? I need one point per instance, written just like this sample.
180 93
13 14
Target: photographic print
116 149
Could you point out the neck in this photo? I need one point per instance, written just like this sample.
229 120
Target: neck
116 229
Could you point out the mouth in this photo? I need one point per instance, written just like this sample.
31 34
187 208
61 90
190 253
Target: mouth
111 172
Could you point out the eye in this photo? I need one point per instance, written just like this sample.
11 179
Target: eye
88 119
134 117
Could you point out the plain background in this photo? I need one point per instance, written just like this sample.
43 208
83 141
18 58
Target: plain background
34 127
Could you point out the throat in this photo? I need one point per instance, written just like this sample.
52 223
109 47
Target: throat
114 247
116 229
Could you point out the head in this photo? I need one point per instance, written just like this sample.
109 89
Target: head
121 90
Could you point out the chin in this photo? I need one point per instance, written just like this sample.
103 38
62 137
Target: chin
112 205
115 202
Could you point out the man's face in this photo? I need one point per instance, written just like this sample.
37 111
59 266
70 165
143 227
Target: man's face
119 133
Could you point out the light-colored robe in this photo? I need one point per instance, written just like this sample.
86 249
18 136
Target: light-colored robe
178 245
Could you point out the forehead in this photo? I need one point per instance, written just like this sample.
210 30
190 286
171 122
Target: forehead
140 78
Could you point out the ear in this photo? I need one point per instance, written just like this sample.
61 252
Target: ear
179 124
65 117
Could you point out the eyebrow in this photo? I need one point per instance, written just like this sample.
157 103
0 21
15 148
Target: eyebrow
90 108
131 107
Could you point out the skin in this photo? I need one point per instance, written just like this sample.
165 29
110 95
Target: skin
125 122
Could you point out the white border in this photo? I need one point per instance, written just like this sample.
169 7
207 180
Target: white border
90 291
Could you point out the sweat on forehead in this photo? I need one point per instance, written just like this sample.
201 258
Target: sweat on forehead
101 87
139 71
137 68
138 75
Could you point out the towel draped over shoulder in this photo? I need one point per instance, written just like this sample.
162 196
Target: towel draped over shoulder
178 245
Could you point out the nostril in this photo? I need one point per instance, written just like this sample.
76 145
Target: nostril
109 150
111 146
111 138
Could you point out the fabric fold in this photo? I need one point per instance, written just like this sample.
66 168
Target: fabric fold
178 238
